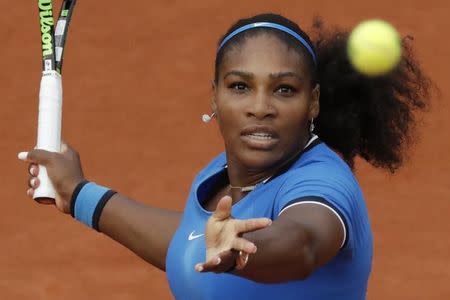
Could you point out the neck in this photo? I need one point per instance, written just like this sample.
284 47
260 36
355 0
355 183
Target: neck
242 177
243 180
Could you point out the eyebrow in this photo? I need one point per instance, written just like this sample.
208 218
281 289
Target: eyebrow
249 75
244 74
285 74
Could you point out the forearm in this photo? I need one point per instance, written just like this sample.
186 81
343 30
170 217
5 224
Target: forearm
143 229
284 252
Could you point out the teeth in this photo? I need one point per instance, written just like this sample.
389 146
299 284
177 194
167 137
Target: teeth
260 136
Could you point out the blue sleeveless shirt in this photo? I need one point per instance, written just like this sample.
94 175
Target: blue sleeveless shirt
318 172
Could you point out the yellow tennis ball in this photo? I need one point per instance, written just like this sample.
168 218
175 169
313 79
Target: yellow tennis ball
374 47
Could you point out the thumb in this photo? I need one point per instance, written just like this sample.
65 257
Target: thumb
37 156
64 147
223 209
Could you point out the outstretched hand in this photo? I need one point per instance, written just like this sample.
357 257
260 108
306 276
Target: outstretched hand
224 242
63 169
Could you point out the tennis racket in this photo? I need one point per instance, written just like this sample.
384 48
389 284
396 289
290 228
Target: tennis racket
53 40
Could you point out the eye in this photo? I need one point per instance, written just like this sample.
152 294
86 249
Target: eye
285 90
238 87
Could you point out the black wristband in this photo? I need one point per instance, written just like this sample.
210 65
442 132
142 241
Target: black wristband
99 208
75 193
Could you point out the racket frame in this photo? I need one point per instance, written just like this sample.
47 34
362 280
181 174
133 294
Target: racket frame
62 28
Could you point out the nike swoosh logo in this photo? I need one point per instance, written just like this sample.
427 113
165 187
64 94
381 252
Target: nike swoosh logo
193 236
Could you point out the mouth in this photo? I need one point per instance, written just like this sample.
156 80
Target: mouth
259 137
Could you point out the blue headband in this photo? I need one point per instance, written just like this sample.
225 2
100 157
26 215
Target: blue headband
275 26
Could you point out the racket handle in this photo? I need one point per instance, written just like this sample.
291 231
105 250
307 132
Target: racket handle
49 129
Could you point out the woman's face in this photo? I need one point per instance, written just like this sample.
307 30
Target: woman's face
264 101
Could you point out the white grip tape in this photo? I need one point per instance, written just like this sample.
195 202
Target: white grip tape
49 126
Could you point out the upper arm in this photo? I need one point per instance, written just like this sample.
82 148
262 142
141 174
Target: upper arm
320 200
317 211
302 238
324 226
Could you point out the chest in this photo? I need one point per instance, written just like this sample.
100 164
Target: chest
210 192
210 202
187 247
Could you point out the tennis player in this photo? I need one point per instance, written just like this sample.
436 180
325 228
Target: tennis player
279 214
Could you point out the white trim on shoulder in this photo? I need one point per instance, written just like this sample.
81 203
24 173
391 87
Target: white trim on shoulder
324 205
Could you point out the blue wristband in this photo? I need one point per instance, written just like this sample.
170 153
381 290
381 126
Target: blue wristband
88 201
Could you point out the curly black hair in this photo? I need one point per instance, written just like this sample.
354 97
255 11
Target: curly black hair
373 117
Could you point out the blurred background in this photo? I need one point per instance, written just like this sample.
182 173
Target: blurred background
137 78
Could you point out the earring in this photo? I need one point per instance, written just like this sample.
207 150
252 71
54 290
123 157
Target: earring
207 118
312 126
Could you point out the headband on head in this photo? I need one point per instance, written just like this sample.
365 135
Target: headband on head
274 26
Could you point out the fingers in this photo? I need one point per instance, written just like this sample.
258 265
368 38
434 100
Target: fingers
209 265
220 263
241 244
223 209
249 225
23 156
67 149
33 169
64 147
241 260
34 182
37 156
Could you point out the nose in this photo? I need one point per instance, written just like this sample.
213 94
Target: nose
260 106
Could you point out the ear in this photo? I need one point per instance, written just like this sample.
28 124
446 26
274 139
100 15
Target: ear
314 106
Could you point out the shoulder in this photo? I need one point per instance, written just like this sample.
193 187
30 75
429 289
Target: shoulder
322 164
319 172
321 176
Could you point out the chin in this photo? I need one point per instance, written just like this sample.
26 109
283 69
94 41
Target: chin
257 159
